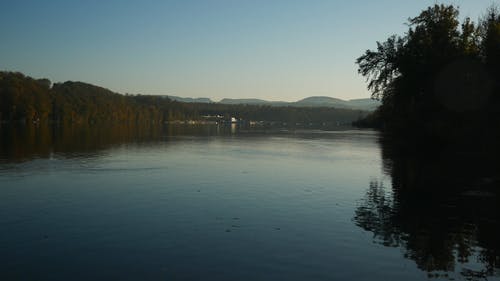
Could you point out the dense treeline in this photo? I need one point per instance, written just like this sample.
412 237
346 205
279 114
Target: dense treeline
289 114
439 85
24 99
442 75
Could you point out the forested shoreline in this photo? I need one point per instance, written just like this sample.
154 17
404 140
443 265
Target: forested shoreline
27 100
440 78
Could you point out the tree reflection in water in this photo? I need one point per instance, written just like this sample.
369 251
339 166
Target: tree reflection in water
21 143
442 209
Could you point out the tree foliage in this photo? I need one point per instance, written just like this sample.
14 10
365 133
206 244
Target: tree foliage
24 99
440 73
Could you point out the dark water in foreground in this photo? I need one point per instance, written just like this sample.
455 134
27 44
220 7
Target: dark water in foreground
215 203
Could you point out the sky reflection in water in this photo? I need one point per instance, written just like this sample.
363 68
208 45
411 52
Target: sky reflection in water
190 203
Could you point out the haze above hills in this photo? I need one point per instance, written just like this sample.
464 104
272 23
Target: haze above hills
314 101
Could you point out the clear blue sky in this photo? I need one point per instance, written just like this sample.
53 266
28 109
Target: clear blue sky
271 49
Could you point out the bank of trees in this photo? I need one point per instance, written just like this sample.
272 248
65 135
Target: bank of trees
27 100
24 99
442 74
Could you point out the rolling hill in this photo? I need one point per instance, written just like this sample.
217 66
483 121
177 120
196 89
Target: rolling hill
314 101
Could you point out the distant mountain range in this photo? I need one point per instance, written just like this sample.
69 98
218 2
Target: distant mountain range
315 101
193 100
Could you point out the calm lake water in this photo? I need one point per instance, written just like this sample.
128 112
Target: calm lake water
212 203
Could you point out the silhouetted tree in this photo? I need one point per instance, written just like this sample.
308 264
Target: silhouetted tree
440 75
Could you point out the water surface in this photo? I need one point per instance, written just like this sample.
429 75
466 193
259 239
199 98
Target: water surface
211 203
